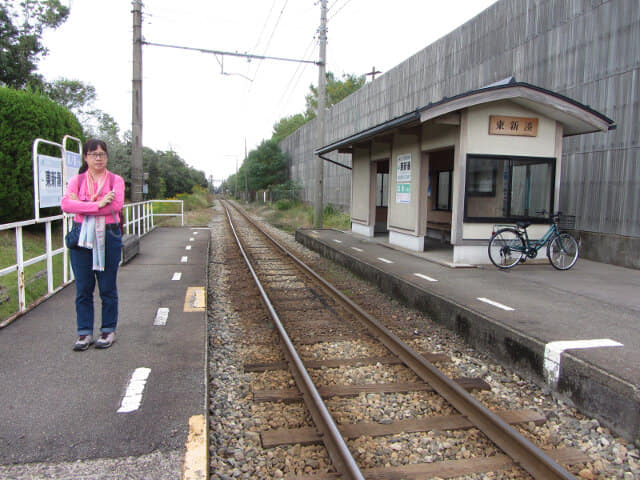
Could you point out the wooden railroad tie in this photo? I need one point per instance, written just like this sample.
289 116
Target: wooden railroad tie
452 468
339 362
293 394
309 435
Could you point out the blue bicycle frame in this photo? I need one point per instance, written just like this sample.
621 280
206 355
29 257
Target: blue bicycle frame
537 244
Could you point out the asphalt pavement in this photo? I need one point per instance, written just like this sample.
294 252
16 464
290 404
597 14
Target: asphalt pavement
132 400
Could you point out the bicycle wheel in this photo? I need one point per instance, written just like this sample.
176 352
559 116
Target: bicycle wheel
506 248
562 251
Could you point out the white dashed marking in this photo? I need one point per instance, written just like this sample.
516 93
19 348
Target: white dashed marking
384 260
496 304
188 247
424 277
357 249
337 241
184 259
162 315
133 396
191 239
176 276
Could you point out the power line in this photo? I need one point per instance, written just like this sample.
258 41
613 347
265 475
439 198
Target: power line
271 37
264 27
300 69
340 9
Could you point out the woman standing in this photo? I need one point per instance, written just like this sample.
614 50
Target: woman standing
96 196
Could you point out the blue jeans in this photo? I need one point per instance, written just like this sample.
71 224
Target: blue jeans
82 265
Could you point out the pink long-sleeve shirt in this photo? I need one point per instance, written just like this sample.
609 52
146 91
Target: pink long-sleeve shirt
84 206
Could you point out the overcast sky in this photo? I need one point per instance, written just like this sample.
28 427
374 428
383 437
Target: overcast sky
189 105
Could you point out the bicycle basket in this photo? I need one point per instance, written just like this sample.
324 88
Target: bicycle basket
566 222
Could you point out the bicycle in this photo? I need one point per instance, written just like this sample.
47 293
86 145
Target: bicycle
511 245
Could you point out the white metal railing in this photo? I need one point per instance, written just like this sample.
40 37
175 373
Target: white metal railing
138 220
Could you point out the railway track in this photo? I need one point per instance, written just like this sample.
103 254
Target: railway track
332 349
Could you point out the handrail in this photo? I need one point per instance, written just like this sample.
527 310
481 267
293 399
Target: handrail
138 220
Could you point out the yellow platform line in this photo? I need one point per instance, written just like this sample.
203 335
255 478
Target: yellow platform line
195 465
195 300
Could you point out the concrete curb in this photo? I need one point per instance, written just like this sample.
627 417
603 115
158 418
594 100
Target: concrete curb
614 402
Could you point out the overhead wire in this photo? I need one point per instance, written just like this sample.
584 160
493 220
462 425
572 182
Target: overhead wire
301 68
264 27
270 38
340 9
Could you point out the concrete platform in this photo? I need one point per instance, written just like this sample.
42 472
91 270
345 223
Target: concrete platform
523 317
59 405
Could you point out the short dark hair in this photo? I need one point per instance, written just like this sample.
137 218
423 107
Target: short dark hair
89 146
93 144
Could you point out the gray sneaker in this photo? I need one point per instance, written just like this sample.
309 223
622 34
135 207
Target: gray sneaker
106 340
82 343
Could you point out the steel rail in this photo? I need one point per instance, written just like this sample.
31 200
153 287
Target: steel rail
340 455
520 449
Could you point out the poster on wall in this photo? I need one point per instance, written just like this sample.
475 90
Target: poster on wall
404 168
403 192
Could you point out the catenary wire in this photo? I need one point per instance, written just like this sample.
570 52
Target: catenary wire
270 38
300 69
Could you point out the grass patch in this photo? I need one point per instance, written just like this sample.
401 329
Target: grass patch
198 210
290 216
33 239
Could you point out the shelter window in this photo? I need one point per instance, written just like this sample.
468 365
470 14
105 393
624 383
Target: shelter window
443 190
502 188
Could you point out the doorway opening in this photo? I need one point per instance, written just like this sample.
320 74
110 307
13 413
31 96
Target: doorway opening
382 196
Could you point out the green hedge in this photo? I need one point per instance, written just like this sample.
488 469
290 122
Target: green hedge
25 116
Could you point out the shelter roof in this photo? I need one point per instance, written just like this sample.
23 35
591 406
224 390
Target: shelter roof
575 117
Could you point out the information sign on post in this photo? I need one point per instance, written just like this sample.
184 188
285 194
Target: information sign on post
51 174
72 163
49 181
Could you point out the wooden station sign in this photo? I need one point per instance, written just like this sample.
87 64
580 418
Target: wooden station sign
518 126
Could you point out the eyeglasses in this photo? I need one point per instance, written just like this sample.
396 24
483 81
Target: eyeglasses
97 155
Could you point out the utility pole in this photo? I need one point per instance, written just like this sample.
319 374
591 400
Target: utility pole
322 87
246 173
373 73
136 110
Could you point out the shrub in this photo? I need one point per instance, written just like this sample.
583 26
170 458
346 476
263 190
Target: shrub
284 204
25 116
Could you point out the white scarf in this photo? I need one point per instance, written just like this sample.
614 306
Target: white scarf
92 235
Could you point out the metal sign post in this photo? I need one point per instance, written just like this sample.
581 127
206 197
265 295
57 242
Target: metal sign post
47 178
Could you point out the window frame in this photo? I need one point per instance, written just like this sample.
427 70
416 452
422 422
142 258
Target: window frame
551 161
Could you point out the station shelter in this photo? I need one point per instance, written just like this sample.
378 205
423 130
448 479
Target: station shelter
453 169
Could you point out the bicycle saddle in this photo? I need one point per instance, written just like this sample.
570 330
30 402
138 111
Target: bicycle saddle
523 224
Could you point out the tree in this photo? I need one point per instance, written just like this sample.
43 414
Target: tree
287 125
266 166
22 23
72 94
336 91
25 116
